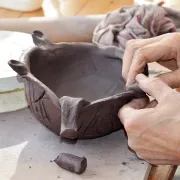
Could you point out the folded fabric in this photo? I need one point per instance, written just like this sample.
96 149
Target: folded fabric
137 22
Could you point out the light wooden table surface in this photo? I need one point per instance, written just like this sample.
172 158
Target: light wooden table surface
87 7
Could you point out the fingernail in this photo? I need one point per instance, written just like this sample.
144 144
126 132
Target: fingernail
128 82
140 77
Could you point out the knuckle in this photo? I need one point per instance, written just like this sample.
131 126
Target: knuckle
129 125
154 81
166 79
131 144
172 96
141 156
135 68
139 51
130 42
132 45
175 93
132 124
175 36
124 75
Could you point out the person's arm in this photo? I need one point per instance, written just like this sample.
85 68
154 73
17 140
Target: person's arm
56 29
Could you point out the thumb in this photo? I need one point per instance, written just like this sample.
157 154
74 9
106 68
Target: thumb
152 104
155 87
129 110
172 79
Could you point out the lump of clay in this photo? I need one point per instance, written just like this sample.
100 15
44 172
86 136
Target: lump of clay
71 163
74 89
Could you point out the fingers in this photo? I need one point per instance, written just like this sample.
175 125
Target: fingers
153 86
131 47
139 52
129 110
150 53
172 79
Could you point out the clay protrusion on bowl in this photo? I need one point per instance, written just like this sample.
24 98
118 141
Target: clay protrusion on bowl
40 40
18 67
70 109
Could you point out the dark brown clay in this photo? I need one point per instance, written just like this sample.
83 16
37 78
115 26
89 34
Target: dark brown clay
74 89
71 163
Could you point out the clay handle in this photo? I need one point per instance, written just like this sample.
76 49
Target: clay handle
40 40
18 67
70 109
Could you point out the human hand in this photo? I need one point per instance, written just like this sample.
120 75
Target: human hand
153 130
164 49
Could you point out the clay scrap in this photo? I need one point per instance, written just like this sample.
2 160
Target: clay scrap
71 163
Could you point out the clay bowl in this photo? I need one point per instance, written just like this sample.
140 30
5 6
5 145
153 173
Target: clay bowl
74 89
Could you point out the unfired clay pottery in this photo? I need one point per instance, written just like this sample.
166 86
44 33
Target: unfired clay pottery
74 89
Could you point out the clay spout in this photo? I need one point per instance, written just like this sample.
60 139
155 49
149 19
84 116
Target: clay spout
18 67
40 40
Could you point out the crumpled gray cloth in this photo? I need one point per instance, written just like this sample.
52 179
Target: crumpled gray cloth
137 22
